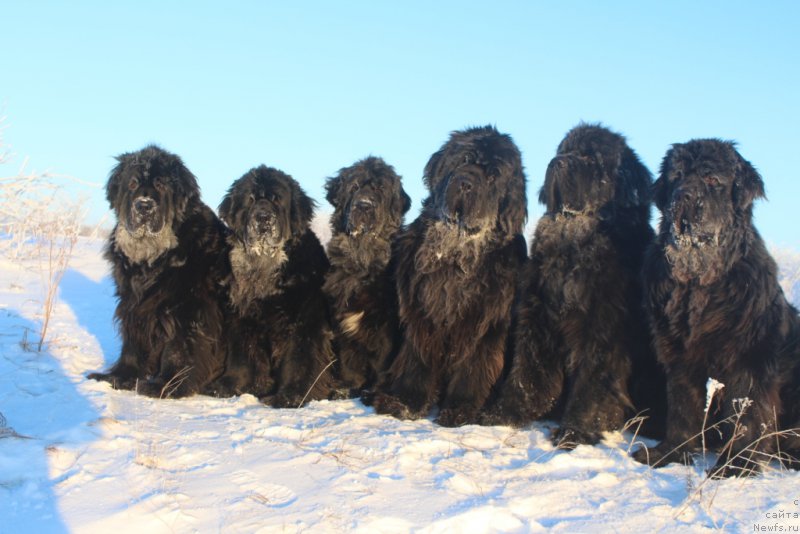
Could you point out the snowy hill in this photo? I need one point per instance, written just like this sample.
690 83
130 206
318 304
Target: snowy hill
77 456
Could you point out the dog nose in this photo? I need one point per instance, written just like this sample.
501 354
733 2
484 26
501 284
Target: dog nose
363 203
144 204
263 220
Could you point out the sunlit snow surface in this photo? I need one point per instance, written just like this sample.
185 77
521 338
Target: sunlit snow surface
77 456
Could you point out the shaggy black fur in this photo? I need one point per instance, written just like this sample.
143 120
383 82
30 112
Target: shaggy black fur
457 266
279 331
716 310
369 203
168 263
581 341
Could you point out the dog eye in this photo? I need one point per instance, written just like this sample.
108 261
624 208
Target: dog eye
133 184
251 198
160 184
275 197
712 180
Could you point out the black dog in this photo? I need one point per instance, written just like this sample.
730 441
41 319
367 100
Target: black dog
457 266
280 336
369 203
581 338
168 262
717 311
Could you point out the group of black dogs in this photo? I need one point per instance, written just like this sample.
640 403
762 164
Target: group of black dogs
603 321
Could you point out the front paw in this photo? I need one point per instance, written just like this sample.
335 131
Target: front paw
497 416
662 455
567 438
453 417
116 381
283 400
391 405
738 466
343 393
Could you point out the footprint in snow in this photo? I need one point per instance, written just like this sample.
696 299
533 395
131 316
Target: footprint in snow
262 492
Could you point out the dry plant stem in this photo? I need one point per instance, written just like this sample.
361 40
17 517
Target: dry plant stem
315 382
175 382
637 420
59 253
715 386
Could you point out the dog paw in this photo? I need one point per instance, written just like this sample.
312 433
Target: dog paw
498 417
343 393
661 455
567 438
390 405
453 417
283 400
737 466
117 382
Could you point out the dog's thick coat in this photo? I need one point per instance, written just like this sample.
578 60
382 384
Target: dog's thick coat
456 268
581 344
717 311
369 203
168 263
279 331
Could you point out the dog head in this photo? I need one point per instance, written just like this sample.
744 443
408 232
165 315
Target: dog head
595 173
705 193
150 190
477 183
368 199
265 208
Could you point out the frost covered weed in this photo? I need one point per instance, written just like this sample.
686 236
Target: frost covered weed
39 221
634 424
751 453
175 382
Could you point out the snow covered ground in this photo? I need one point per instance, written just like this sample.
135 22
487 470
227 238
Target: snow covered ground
78 456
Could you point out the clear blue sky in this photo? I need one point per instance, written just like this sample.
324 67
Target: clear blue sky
309 87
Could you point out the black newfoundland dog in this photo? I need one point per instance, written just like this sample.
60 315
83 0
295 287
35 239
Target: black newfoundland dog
581 345
717 311
168 263
457 267
280 336
369 203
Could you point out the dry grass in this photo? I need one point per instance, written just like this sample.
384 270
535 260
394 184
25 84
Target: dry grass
756 458
40 221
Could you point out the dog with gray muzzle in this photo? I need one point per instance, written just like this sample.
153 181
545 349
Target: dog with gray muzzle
167 253
279 332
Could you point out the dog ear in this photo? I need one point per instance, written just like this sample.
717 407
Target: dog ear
549 194
430 176
747 184
332 187
405 201
333 191
513 208
635 181
184 184
660 188
400 202
225 208
115 180
302 209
